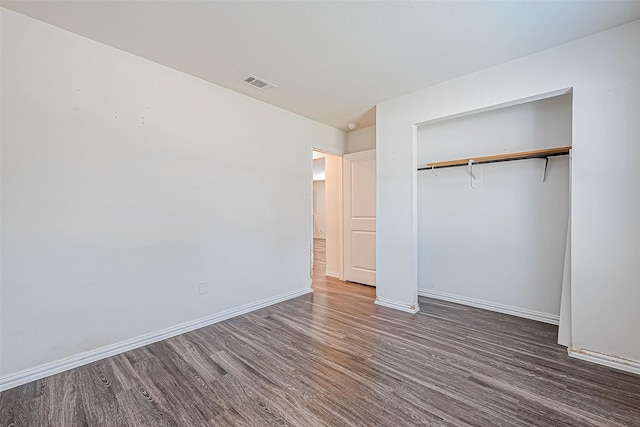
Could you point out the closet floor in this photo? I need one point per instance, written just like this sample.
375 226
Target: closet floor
333 358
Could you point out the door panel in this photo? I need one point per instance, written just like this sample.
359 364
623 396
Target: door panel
365 257
363 179
360 217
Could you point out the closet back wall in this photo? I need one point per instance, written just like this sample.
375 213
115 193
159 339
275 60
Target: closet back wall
500 246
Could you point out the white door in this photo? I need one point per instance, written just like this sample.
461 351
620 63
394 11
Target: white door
360 217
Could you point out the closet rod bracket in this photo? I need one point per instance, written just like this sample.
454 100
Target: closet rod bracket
546 166
470 164
475 179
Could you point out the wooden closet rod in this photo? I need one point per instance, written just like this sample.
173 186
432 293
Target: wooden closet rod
535 154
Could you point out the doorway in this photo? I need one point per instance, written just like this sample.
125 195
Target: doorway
343 206
326 213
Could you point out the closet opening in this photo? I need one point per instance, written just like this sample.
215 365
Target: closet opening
493 227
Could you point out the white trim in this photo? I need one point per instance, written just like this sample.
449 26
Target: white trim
360 155
616 362
333 274
408 308
492 107
42 371
309 199
553 319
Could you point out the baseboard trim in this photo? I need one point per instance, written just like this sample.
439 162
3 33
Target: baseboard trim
407 308
42 371
620 363
492 306
333 274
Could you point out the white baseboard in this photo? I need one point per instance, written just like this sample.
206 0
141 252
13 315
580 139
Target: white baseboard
408 308
553 319
42 371
333 274
616 362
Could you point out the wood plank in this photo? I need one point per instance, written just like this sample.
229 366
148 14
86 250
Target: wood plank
502 157
335 358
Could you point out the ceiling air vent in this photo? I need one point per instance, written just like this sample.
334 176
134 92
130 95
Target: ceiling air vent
258 82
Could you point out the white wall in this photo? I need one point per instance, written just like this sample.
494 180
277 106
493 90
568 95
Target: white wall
319 210
125 183
361 139
333 200
318 168
502 245
603 71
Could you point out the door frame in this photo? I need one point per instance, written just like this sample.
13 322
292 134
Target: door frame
340 225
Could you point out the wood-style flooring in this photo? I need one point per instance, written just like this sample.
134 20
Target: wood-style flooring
333 358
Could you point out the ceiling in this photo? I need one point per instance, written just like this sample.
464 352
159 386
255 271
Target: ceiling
332 61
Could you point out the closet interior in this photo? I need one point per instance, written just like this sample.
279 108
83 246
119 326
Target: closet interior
493 207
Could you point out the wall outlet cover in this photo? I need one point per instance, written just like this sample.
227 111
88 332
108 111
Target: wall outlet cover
202 287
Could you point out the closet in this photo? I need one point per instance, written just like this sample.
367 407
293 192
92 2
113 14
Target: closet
493 207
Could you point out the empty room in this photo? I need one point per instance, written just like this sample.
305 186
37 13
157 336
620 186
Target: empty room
319 213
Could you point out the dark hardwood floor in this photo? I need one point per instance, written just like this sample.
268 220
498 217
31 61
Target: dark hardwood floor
333 358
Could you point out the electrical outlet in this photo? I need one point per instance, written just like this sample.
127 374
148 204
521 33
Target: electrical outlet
202 287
